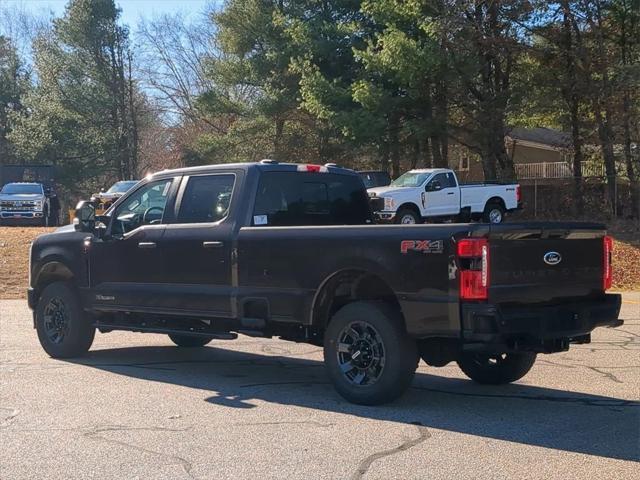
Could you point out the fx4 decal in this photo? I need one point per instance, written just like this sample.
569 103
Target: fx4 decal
424 246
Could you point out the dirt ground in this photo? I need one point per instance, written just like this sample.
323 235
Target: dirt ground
15 241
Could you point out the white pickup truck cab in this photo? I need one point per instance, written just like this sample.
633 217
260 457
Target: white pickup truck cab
435 193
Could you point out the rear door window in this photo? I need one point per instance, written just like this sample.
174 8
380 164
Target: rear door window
206 199
292 198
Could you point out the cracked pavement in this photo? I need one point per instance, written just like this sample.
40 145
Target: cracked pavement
137 407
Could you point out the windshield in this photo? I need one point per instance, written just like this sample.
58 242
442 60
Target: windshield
21 189
122 187
410 179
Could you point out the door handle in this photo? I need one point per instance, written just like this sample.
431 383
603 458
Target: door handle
147 245
450 193
212 244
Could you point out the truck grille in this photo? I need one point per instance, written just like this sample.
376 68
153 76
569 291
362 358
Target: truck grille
24 206
376 203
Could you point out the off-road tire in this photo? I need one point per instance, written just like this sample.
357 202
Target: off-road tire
188 341
496 369
399 353
73 333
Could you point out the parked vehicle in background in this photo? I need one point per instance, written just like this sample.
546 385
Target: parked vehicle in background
104 200
435 193
24 204
43 175
375 178
288 250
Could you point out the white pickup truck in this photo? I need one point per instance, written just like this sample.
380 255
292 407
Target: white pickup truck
435 193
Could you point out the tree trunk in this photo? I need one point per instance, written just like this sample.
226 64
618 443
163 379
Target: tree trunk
626 116
394 145
384 155
570 94
436 152
628 156
415 152
427 159
277 139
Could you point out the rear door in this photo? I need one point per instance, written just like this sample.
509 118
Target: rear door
442 195
532 264
197 246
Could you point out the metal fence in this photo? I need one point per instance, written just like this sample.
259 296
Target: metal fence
545 170
555 199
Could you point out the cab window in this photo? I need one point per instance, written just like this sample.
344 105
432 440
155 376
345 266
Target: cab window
206 199
290 199
145 206
445 180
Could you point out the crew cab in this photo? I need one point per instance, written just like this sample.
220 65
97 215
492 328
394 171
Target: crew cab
23 203
285 250
435 193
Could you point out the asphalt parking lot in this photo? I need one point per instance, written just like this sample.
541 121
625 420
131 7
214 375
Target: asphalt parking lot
138 407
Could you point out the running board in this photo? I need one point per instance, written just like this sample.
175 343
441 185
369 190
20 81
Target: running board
192 333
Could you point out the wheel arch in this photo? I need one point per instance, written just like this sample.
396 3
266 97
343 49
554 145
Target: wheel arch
52 270
410 206
496 200
346 286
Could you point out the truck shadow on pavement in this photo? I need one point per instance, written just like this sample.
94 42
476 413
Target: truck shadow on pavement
544 417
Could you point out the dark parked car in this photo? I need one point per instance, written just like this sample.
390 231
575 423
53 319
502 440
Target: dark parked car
288 250
375 178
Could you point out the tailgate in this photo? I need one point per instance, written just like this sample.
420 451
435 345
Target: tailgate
545 263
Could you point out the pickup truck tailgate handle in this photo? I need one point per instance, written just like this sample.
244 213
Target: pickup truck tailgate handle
212 244
147 245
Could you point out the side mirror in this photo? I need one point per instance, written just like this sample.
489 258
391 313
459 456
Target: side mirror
434 186
85 217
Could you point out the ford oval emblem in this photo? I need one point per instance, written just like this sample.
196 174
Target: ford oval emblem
552 258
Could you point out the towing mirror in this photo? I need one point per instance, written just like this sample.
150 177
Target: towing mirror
85 217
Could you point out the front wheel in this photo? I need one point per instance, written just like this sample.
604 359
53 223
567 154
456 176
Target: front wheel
406 216
188 341
369 356
63 329
496 369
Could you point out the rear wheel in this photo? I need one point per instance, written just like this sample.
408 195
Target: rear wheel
63 329
496 369
493 213
407 216
369 356
187 341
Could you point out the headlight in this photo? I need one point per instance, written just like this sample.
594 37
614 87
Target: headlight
389 203
38 204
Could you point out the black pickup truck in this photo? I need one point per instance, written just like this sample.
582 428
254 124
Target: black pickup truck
268 249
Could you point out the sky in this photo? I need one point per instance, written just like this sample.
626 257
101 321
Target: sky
132 10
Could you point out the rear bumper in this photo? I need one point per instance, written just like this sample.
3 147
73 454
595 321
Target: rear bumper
537 328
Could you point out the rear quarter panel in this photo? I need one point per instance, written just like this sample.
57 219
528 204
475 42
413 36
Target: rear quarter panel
287 265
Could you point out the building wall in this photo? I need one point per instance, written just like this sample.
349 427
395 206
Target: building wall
530 154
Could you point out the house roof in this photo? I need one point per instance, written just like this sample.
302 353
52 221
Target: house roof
544 136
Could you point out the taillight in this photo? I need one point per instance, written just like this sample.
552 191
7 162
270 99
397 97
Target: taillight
518 194
607 273
473 262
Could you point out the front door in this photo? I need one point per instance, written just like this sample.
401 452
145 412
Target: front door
126 266
197 246
442 196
